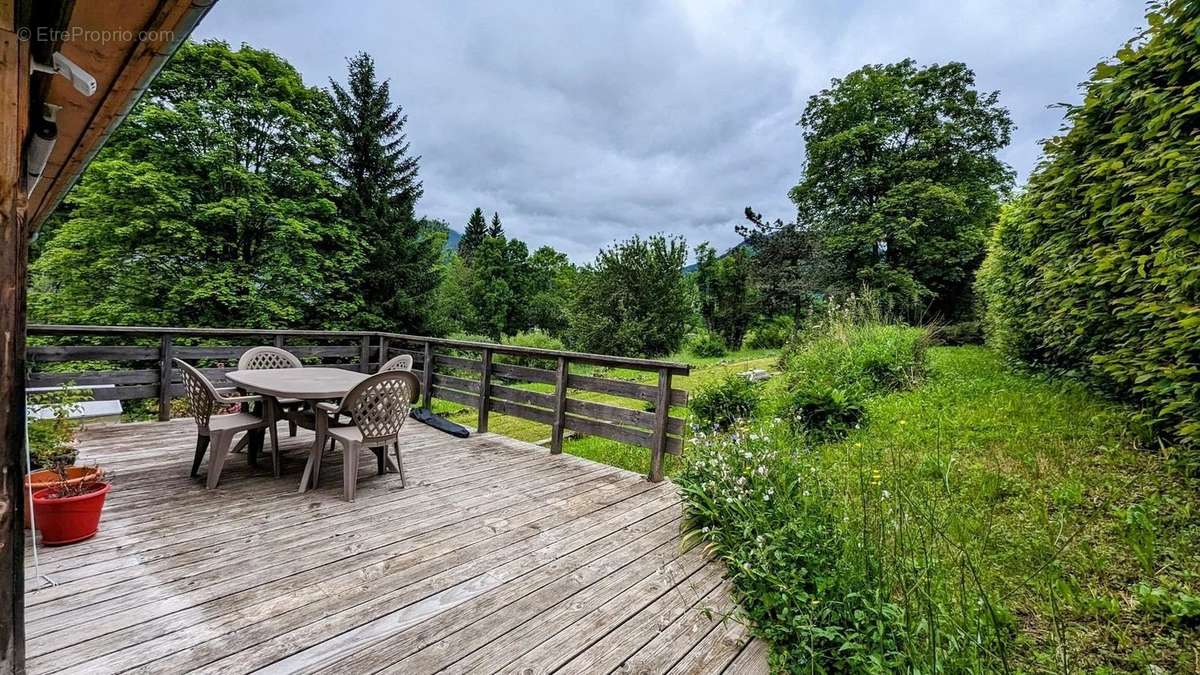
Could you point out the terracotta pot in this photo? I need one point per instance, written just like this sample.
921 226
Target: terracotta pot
44 478
66 520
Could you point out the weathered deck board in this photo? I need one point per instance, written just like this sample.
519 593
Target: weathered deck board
497 557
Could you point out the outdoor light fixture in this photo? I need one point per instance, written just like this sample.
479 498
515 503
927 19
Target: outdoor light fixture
41 144
81 79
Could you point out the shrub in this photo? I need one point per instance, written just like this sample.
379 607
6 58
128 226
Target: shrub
536 339
720 404
1092 272
707 344
825 413
770 333
961 333
829 374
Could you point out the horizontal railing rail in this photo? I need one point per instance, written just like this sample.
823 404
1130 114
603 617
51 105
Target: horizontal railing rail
553 387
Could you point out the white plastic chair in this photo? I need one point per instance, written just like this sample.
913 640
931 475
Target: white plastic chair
212 430
378 407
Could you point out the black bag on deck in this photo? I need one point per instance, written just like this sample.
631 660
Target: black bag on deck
426 416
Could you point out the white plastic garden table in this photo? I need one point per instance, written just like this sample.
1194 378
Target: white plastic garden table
308 384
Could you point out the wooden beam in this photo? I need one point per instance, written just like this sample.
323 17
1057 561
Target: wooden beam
14 258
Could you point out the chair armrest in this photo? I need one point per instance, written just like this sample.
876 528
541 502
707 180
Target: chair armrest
331 408
239 399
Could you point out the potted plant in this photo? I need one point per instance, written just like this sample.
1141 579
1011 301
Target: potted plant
69 510
53 440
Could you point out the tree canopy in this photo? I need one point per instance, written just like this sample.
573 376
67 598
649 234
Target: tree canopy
633 299
209 206
902 181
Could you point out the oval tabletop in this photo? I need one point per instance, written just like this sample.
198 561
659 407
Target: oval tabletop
303 383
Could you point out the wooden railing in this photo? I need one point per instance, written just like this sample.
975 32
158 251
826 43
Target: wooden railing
132 363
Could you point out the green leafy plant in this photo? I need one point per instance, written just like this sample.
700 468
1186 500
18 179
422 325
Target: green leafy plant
770 333
722 403
1092 271
706 344
536 339
52 440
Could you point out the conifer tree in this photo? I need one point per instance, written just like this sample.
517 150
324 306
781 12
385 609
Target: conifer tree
496 230
474 234
400 267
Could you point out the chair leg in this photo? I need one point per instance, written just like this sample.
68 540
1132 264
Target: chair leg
400 464
380 459
220 450
201 447
291 428
241 444
350 470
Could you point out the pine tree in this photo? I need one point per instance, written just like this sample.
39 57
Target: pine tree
496 230
474 234
400 267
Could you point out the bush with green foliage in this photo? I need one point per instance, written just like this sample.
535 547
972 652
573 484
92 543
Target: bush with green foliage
535 339
706 344
634 300
722 403
1093 271
830 373
961 333
770 333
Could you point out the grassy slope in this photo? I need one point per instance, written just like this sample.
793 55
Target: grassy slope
1042 487
603 450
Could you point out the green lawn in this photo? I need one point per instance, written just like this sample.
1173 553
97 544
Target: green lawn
603 450
1091 542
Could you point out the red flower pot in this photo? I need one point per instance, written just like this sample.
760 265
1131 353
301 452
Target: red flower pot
67 520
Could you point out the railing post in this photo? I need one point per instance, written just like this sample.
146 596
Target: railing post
662 411
485 385
364 354
560 405
165 368
427 380
384 345
279 341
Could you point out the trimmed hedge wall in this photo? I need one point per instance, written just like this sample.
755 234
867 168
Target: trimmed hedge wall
1095 270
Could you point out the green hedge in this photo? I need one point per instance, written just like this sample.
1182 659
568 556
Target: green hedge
1095 270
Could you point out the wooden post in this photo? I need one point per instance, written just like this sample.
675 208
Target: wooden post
14 261
662 411
485 385
278 341
165 368
560 405
384 345
364 354
427 379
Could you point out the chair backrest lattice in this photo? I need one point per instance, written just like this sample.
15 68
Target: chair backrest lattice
380 404
263 358
201 394
402 362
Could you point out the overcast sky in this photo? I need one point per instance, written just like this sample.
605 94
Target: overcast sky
586 122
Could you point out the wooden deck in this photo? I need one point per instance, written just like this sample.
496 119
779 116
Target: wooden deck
497 557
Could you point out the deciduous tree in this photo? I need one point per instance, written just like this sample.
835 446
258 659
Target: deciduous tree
902 180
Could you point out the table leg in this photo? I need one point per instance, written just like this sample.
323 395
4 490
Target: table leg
312 468
270 406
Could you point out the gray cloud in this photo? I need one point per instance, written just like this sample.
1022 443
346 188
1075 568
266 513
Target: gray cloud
586 122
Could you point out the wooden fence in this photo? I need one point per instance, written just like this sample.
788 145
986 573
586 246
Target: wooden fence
132 363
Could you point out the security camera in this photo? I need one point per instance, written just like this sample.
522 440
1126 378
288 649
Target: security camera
81 79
